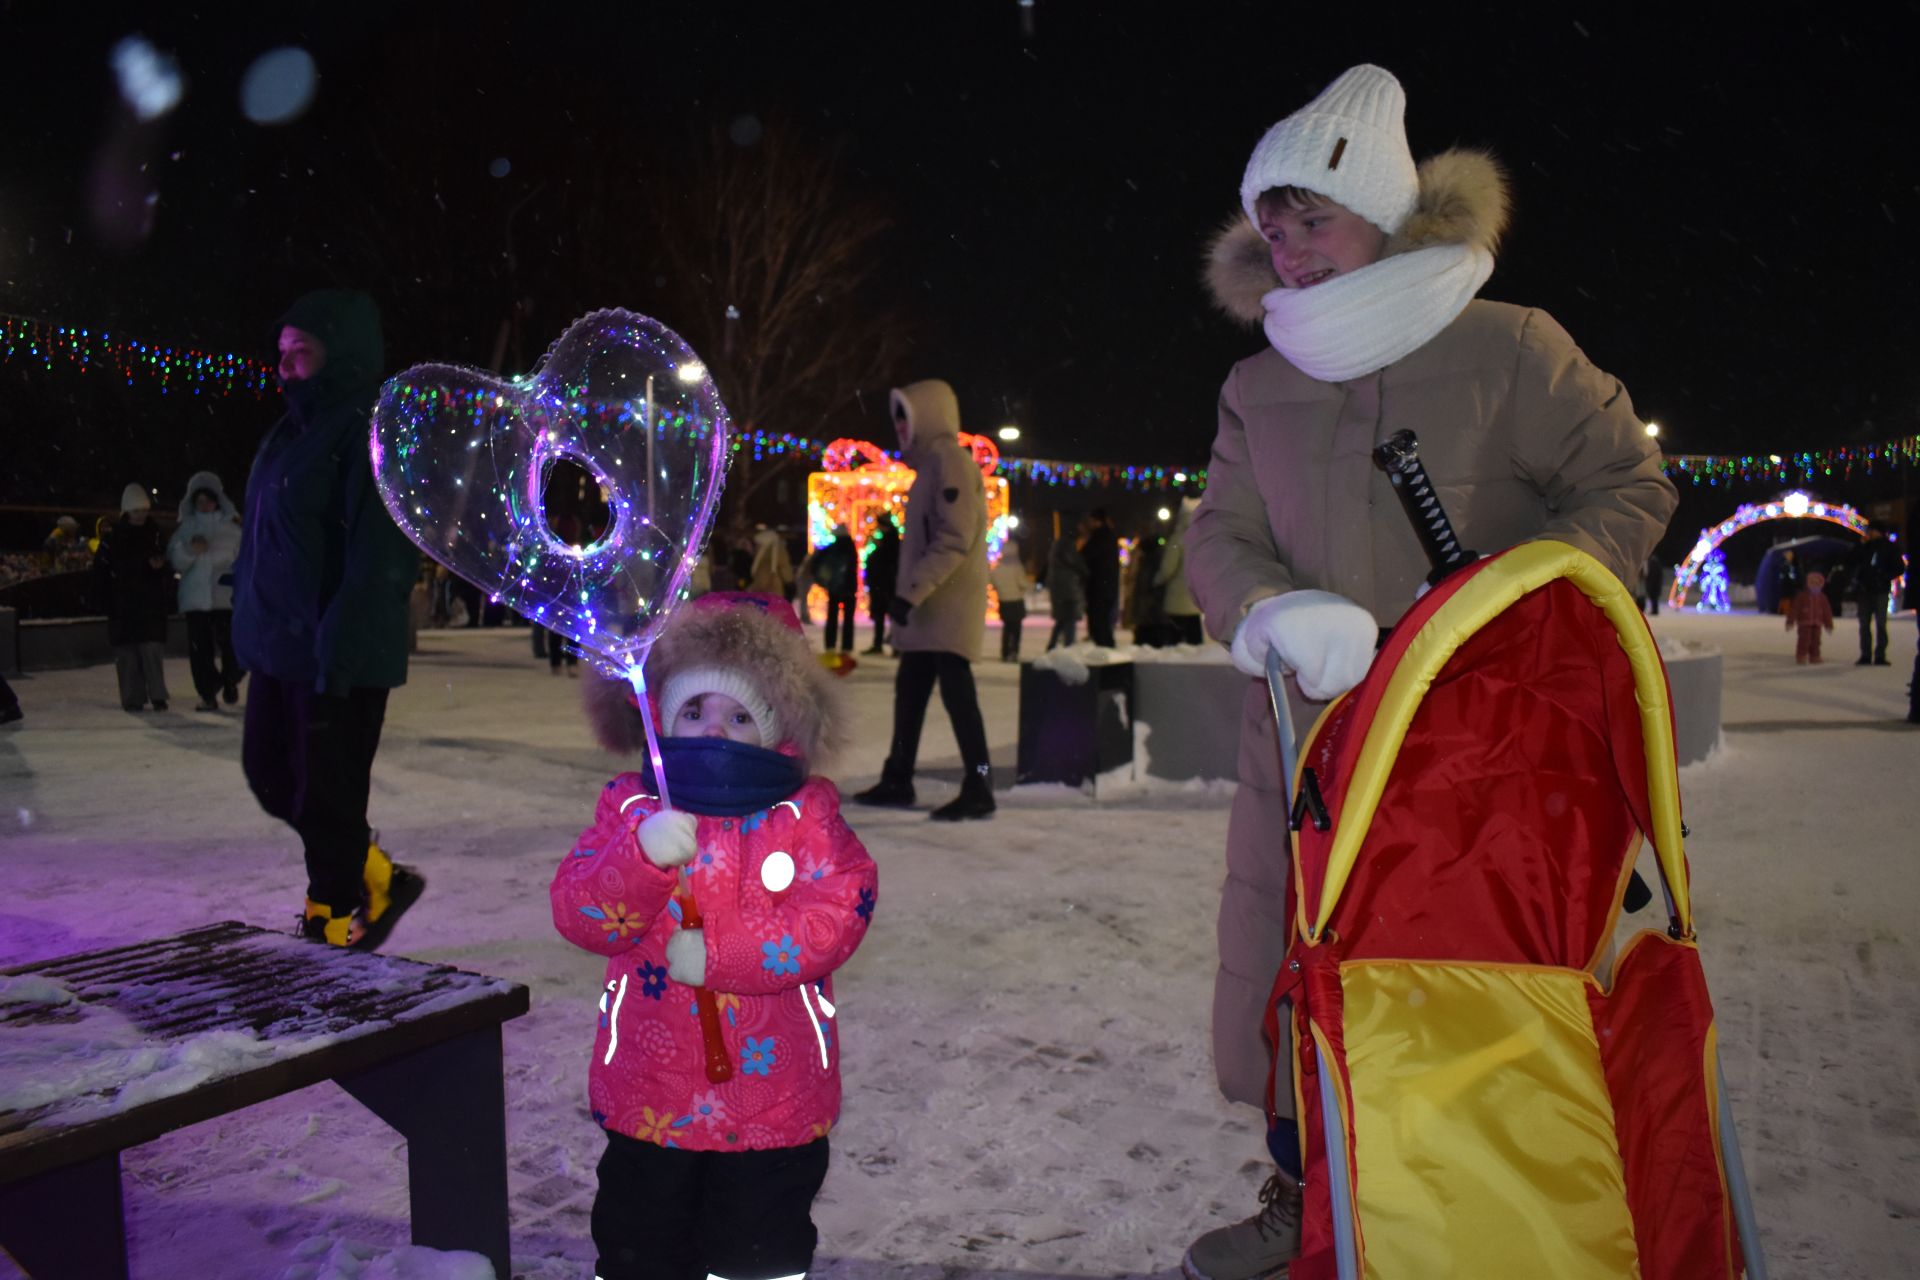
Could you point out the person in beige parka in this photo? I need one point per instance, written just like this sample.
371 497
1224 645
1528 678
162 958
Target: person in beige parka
939 607
1363 270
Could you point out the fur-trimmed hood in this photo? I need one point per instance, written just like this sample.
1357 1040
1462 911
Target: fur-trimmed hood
777 661
1463 200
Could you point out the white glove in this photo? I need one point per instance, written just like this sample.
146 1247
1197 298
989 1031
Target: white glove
1326 640
687 957
668 838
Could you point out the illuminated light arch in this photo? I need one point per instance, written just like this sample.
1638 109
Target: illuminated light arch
1796 505
861 483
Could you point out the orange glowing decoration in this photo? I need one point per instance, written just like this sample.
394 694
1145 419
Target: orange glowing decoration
863 485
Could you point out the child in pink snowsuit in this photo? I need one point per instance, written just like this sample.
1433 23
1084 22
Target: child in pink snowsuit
703 1177
1809 612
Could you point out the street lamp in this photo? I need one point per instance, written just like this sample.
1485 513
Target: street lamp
1653 430
1009 433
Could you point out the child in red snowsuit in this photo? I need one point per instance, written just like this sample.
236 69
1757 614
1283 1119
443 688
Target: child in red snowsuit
1808 613
702 1177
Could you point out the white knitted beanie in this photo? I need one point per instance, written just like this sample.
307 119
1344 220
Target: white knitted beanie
1349 144
684 686
134 498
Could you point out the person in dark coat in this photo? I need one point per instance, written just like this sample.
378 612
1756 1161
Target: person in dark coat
1873 566
836 569
1653 584
1102 554
1786 580
320 600
136 590
1066 585
883 571
1913 602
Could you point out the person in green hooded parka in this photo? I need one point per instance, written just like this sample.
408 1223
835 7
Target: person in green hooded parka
320 597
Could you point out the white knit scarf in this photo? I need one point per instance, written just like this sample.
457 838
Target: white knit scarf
1357 323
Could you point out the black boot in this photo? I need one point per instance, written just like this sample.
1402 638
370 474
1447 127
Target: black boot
974 801
894 790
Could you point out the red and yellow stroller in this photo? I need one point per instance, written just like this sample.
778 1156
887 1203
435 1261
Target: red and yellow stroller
1478 1095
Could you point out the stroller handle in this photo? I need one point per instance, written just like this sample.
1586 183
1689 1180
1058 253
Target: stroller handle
1399 457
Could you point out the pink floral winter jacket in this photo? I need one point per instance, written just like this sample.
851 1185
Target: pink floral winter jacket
785 896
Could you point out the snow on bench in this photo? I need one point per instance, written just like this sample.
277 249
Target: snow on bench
103 1051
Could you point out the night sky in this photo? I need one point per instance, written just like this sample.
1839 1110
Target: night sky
1722 213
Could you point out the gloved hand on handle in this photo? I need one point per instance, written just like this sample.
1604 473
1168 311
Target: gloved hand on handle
668 838
1325 639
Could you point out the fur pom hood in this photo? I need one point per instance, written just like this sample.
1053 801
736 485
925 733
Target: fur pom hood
776 660
1463 200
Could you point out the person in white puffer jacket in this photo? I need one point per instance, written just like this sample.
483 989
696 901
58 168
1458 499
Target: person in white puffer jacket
202 552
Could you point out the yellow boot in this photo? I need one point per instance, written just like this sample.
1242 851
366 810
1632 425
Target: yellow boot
378 877
391 888
321 925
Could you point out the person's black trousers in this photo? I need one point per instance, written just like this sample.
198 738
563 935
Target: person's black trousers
210 653
559 649
309 760
912 687
1100 622
1186 627
1013 616
877 609
662 1213
840 624
1873 614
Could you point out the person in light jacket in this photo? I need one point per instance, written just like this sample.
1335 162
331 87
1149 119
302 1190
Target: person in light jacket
939 606
202 550
1176 597
1363 271
1010 581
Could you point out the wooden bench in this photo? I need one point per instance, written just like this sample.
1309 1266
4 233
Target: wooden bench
231 1015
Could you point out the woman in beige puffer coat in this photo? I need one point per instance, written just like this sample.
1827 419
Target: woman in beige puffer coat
939 606
1522 435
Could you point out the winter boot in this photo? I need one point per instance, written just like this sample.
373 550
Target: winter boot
974 801
1259 1248
319 924
391 887
894 790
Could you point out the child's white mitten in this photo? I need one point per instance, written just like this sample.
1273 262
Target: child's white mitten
668 838
1325 639
687 957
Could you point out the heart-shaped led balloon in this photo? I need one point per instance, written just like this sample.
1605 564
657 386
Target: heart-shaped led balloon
463 459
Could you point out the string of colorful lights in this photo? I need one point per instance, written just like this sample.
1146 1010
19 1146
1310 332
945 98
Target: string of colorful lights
1794 468
186 369
224 373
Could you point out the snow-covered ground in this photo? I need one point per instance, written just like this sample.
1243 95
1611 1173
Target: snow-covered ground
1028 1085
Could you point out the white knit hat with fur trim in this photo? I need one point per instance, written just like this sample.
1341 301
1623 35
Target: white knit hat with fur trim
749 647
1349 144
685 686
